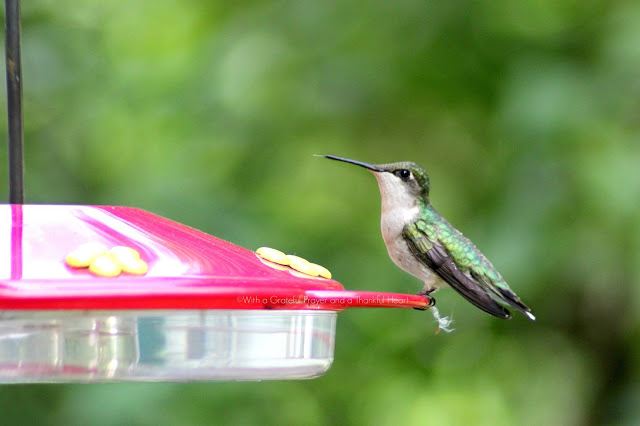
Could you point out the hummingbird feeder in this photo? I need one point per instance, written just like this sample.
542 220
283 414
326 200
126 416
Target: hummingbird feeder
176 304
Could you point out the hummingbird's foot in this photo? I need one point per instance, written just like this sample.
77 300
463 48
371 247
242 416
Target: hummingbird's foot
432 301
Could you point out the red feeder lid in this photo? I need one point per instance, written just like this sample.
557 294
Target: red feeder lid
187 268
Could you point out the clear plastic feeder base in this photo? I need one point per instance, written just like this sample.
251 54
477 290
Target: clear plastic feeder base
167 345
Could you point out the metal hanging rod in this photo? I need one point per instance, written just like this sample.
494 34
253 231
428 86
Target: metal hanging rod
14 101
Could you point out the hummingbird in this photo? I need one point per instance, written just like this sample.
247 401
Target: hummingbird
424 244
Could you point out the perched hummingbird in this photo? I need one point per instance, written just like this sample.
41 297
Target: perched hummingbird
423 243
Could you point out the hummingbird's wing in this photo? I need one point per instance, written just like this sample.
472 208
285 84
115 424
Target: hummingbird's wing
433 253
491 280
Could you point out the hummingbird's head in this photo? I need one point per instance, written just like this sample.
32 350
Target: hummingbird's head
404 182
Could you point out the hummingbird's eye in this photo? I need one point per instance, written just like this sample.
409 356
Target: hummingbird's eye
403 174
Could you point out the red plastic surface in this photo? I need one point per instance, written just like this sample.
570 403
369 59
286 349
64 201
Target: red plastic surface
188 269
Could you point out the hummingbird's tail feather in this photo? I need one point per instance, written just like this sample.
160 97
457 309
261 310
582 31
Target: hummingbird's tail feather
513 300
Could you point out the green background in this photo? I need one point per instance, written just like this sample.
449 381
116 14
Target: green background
524 113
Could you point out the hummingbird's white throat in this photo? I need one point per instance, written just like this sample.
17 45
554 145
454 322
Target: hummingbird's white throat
397 197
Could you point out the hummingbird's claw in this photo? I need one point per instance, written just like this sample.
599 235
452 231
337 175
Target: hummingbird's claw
432 302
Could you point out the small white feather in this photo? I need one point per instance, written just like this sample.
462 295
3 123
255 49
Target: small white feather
444 323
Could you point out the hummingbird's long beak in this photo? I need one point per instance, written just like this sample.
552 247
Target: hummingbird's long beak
357 163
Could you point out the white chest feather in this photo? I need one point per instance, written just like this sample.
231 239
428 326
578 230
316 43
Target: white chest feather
399 251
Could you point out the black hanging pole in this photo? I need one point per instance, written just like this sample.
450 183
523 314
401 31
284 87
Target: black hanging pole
14 100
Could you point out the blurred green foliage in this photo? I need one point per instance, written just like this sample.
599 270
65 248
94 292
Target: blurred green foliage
524 113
